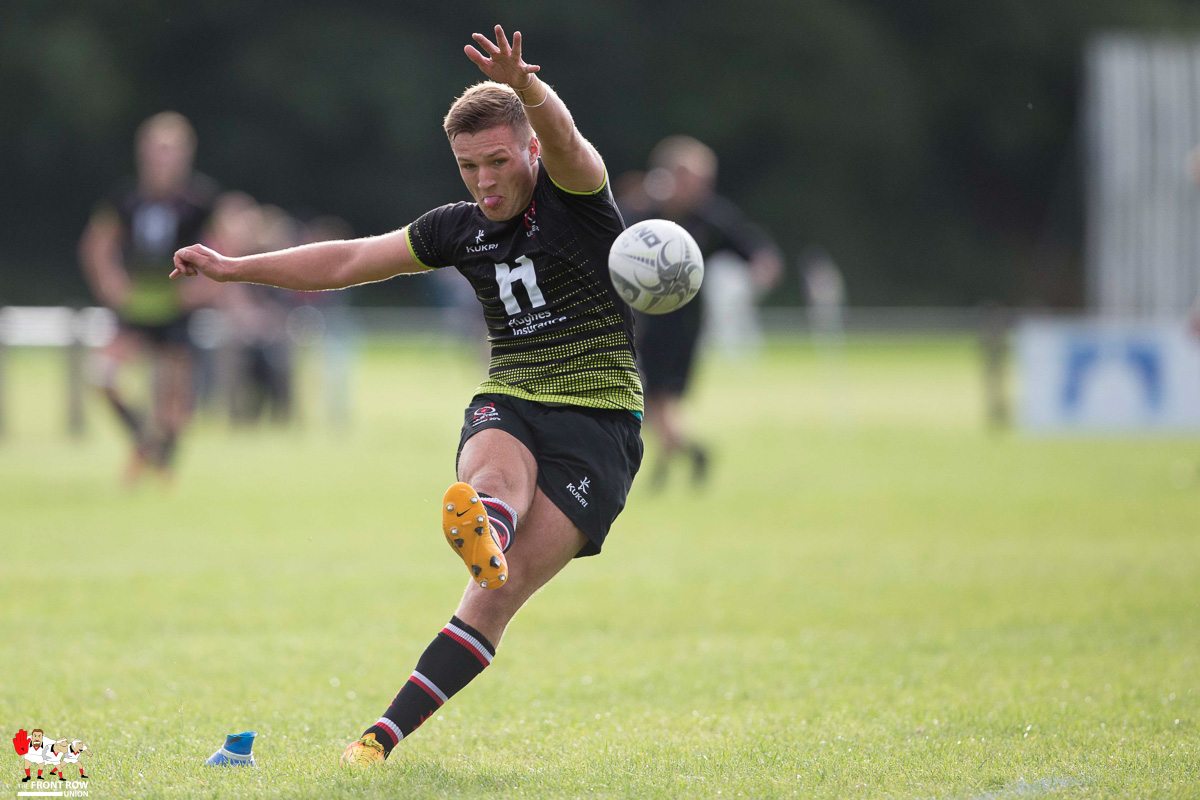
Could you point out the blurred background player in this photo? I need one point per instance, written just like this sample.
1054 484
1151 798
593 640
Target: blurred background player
125 250
253 367
263 379
680 187
336 324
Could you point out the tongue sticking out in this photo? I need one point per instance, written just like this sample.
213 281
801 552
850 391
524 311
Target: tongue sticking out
492 201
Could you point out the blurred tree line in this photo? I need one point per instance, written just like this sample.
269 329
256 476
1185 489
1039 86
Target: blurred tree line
932 146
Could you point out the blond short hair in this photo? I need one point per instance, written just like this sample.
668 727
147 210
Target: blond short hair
684 151
486 105
171 123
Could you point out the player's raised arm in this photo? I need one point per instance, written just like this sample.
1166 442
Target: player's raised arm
570 159
309 267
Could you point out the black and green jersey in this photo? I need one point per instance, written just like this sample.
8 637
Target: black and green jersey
152 229
558 330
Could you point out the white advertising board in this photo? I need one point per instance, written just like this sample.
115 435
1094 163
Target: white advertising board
1092 376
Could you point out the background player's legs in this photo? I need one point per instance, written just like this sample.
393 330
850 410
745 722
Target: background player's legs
106 371
664 417
172 400
667 346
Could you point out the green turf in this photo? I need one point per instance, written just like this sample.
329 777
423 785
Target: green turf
876 598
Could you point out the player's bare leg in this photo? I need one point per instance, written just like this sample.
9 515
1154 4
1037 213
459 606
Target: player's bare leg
664 417
173 404
498 475
107 366
547 543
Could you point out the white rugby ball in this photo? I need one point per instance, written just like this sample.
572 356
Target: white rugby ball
655 266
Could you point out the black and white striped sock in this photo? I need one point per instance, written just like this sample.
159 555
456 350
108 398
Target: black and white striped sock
452 660
503 519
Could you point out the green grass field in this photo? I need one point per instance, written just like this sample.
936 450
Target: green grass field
943 613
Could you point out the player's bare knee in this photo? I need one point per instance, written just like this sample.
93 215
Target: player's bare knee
509 485
102 371
498 464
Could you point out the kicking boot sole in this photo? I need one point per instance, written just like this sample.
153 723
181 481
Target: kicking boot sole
465 524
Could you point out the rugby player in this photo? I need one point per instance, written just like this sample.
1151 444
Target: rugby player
127 243
681 187
551 440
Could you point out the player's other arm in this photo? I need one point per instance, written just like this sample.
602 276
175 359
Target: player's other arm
570 159
100 256
309 267
754 245
766 269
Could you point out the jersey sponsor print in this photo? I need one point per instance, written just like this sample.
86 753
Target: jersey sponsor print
559 333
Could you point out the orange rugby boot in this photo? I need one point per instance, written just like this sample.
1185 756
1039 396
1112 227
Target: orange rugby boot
366 752
465 524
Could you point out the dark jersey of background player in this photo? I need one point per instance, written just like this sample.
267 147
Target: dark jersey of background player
152 229
667 342
679 187
559 332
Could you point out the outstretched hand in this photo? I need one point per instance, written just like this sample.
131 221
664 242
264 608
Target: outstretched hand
500 61
197 259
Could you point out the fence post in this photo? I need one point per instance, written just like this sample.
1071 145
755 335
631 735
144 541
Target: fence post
76 356
995 325
3 388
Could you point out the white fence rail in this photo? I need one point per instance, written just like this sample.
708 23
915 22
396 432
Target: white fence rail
71 330
76 331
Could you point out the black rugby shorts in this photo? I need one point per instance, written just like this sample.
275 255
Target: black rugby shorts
667 350
586 457
174 332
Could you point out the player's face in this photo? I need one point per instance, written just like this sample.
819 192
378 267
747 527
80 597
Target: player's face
164 159
692 187
35 738
499 168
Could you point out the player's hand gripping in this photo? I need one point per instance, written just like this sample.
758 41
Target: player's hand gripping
197 259
500 61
